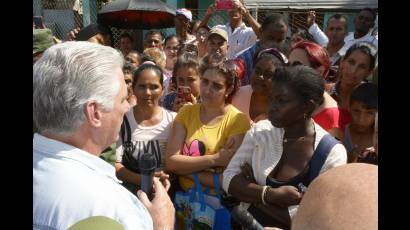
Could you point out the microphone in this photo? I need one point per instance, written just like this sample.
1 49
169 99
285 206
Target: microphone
147 165
245 219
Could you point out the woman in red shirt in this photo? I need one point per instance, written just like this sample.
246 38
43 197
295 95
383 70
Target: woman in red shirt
329 116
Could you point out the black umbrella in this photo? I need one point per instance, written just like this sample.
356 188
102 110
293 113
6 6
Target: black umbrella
137 14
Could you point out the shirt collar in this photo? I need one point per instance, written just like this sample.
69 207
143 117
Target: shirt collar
54 148
351 36
242 26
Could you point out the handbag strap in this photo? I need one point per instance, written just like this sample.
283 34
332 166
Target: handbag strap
125 129
320 155
217 185
198 189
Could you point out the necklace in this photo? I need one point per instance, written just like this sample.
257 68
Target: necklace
294 139
291 139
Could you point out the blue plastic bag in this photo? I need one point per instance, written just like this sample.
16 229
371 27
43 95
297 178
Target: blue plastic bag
196 209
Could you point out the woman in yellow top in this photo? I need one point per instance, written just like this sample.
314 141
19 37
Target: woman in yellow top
205 136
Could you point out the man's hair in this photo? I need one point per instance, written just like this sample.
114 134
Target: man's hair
127 35
367 94
128 67
138 54
338 17
272 19
152 32
371 11
68 76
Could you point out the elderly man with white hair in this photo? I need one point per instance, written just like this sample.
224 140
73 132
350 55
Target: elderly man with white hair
79 100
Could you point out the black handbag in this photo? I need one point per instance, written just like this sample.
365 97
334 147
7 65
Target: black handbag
128 160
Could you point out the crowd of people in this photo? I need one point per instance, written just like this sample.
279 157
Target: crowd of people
270 114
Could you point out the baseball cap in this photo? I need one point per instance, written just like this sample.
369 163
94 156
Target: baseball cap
187 13
91 30
219 32
42 39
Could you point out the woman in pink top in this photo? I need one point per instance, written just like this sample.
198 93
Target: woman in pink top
329 116
252 100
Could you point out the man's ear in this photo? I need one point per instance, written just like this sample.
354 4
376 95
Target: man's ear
93 114
310 106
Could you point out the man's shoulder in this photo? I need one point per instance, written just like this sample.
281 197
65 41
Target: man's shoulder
220 26
349 37
64 192
249 51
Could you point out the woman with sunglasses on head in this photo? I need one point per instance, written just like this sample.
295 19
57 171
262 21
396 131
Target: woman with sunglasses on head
252 100
145 128
205 136
357 64
328 115
280 156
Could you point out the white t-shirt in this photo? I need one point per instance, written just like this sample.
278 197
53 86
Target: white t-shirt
240 39
350 40
152 139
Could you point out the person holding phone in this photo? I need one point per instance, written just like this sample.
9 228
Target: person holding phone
38 22
186 78
240 36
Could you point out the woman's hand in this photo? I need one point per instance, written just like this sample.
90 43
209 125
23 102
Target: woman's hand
72 35
179 102
357 153
284 196
367 151
247 172
225 154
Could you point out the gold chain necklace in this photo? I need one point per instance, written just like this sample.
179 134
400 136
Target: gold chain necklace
286 140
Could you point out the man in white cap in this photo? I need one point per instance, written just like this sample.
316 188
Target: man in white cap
217 45
182 19
240 36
